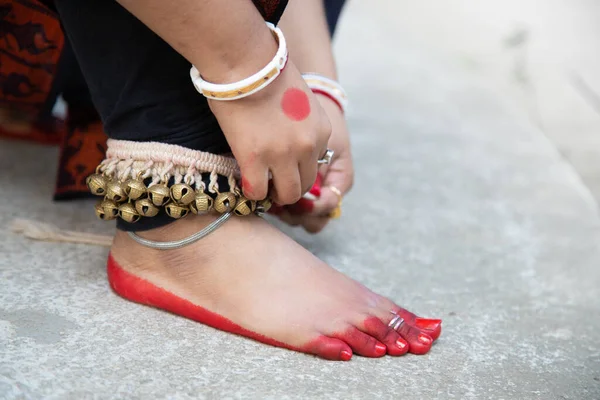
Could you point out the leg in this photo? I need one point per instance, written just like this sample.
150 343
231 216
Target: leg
246 277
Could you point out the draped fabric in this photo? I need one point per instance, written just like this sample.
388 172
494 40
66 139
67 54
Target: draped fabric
37 64
31 43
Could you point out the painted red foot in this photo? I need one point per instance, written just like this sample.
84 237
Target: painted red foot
432 327
142 291
371 338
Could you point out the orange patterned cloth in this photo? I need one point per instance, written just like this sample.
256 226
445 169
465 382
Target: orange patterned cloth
31 43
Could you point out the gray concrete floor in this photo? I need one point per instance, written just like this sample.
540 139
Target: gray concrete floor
458 192
540 54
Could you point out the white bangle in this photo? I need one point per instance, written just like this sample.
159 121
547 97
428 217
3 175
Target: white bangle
250 85
330 88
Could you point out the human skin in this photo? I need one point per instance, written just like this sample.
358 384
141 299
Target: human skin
248 277
227 42
307 34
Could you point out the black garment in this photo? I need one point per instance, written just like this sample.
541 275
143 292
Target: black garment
139 84
333 9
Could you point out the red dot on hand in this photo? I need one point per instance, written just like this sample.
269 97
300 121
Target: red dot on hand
295 104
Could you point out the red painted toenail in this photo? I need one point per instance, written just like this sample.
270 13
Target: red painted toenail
424 339
380 349
429 324
345 355
401 343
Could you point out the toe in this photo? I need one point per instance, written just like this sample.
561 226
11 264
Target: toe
418 341
375 327
362 343
329 349
432 327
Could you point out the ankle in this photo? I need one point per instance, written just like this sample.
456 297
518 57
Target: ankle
138 258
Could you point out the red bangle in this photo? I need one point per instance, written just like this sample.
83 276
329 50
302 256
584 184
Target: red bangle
322 92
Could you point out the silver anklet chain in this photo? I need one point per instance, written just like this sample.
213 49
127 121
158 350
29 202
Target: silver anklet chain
176 244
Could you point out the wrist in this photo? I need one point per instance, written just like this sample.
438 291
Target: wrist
239 60
248 85
327 87
328 101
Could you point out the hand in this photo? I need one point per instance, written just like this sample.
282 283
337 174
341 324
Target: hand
314 216
281 130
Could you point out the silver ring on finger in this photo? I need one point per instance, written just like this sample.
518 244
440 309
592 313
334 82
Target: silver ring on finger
327 157
396 321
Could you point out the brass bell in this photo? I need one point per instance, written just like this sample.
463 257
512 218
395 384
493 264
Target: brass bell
225 202
110 208
97 184
182 194
264 205
244 206
100 212
115 192
202 203
145 208
159 195
135 188
128 213
175 211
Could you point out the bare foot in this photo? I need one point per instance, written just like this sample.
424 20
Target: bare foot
249 278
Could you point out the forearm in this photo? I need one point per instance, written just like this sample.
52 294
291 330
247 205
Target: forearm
226 40
305 27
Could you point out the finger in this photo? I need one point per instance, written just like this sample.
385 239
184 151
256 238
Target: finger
303 206
276 209
340 175
308 174
292 220
255 181
325 204
315 190
286 184
310 224
314 224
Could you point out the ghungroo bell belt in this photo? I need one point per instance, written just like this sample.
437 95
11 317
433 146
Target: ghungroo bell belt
140 180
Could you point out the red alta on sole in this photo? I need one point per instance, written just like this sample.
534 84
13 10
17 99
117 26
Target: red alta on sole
141 291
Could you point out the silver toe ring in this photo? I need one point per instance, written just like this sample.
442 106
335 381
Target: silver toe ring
326 159
396 322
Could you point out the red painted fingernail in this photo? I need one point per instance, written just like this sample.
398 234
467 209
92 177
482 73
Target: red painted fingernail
401 343
305 205
425 323
316 190
424 339
345 355
380 349
319 180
